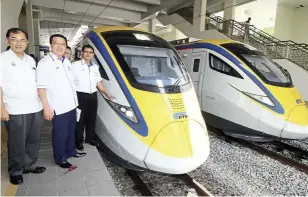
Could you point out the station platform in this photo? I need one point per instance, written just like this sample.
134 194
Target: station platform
90 178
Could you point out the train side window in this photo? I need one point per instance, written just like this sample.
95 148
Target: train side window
196 65
220 66
101 68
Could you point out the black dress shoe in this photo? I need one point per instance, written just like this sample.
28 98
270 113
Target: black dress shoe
16 180
80 147
37 170
80 155
65 164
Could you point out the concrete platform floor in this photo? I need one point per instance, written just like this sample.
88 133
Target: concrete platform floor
90 178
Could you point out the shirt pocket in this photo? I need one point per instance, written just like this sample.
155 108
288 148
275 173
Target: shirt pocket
32 74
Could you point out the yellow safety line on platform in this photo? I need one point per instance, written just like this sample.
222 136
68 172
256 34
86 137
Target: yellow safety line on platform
11 190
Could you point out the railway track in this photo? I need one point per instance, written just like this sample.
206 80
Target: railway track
297 152
201 191
280 146
273 154
139 184
188 180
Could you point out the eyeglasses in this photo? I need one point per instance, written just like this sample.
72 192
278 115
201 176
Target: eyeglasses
15 41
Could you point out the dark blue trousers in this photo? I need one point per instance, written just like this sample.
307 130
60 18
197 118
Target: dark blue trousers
63 140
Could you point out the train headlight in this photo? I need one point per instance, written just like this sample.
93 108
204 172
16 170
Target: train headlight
129 114
263 99
125 111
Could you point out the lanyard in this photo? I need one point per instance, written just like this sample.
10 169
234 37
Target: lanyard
63 58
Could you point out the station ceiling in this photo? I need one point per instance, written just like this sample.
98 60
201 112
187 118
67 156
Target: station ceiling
73 18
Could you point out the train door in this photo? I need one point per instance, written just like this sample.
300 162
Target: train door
197 70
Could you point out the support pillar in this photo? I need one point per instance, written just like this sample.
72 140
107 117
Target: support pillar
37 40
10 10
22 21
152 25
199 14
30 29
229 12
229 9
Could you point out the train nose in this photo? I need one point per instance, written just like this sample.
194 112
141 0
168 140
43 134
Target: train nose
296 126
180 147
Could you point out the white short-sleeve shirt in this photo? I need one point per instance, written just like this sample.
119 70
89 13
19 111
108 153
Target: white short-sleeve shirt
18 83
86 76
56 77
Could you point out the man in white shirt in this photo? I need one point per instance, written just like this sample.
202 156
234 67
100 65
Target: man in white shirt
88 80
57 91
21 108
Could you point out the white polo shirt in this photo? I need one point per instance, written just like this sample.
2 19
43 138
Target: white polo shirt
55 75
86 76
18 83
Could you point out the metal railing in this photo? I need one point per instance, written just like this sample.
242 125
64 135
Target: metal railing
266 43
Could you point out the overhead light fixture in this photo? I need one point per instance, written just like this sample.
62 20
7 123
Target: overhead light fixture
142 36
70 12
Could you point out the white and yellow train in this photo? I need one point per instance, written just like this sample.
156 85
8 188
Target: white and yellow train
242 92
155 122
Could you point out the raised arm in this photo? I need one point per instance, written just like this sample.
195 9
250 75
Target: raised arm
103 90
100 86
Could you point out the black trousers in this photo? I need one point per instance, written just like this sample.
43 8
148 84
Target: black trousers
88 106
23 141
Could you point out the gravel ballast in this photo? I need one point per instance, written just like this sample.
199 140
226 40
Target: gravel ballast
231 169
236 170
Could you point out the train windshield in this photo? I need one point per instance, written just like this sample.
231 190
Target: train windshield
153 66
265 68
148 62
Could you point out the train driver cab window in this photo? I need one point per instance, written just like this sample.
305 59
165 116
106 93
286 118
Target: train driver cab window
152 65
101 68
269 70
220 66
265 68
148 62
196 65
